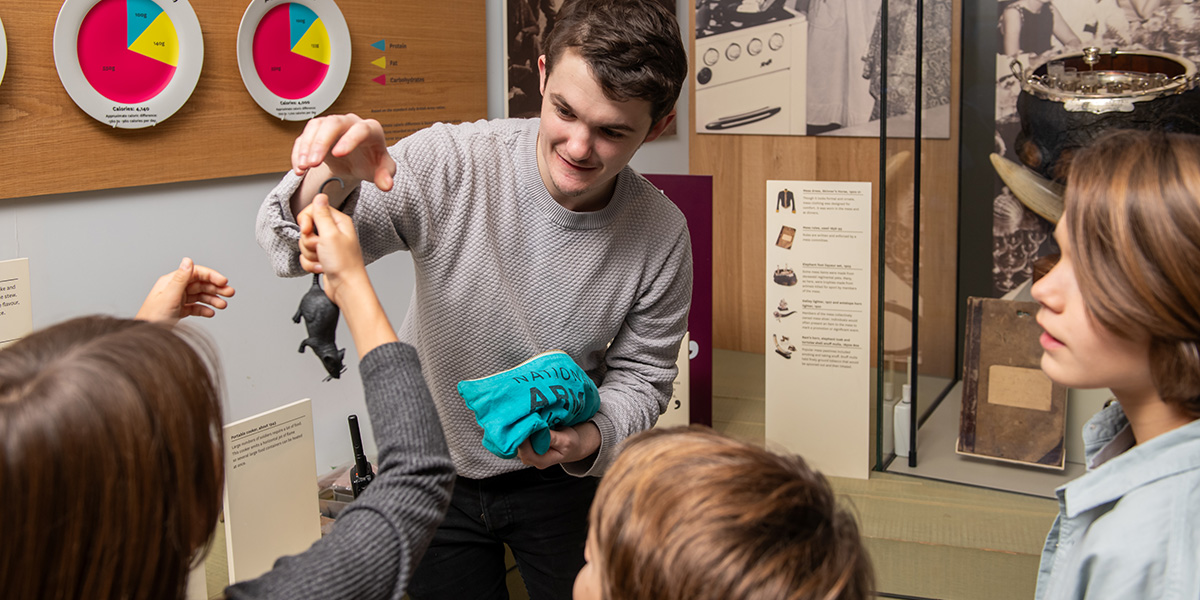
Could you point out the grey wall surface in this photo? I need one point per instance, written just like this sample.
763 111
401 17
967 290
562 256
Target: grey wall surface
99 252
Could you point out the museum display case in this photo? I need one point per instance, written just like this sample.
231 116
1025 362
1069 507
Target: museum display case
916 254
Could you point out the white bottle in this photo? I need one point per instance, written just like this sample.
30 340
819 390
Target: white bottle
900 421
889 410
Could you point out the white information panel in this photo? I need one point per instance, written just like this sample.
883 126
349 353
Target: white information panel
16 312
294 56
128 63
818 316
271 506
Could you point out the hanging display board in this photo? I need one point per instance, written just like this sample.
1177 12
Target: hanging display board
128 63
294 56
403 67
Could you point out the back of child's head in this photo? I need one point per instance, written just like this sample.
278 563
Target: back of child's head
110 460
687 513
1132 221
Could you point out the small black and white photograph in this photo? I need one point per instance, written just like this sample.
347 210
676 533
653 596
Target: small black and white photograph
527 22
812 67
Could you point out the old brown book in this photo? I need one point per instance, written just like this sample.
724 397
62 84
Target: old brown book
786 235
1011 411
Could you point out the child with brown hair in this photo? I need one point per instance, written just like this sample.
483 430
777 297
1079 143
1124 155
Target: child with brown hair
687 513
1121 310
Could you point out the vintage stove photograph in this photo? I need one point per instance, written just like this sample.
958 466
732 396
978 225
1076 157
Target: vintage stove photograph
812 67
750 68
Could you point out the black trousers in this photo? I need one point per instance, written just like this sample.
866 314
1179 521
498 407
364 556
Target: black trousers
541 515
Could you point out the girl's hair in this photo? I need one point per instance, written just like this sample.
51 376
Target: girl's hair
687 513
1132 210
111 460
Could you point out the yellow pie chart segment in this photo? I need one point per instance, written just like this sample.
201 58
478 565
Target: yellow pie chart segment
159 41
314 43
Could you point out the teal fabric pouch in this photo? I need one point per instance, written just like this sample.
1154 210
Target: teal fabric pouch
548 391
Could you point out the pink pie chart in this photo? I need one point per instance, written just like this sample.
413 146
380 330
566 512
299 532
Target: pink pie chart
128 50
291 51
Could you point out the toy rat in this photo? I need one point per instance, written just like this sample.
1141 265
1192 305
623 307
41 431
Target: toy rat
321 319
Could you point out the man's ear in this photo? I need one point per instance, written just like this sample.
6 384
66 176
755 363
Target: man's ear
542 74
658 128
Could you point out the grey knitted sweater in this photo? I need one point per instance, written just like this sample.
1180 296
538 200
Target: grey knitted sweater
504 272
378 540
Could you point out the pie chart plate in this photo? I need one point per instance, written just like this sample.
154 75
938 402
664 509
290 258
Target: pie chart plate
128 63
294 56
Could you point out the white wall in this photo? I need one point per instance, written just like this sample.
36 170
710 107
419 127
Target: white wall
99 252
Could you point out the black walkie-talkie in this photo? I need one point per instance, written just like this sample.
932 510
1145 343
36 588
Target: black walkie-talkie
361 474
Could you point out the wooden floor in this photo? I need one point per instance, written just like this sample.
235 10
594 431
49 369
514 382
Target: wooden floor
926 538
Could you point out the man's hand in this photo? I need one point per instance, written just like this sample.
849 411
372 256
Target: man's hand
352 148
568 445
342 146
185 292
329 245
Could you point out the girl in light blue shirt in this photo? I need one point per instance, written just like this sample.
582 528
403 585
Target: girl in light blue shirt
1121 310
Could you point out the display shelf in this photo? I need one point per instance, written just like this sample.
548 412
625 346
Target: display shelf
935 444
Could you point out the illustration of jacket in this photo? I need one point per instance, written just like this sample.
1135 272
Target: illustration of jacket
785 200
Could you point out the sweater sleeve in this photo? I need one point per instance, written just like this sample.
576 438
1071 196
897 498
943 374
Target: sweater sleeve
378 540
429 168
276 229
641 362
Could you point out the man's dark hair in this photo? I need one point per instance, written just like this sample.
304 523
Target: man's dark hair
633 48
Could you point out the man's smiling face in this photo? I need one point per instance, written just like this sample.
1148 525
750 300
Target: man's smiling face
585 139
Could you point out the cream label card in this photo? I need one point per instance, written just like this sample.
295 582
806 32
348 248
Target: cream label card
679 409
818 322
271 507
16 312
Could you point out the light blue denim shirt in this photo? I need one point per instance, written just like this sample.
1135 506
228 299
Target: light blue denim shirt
1130 527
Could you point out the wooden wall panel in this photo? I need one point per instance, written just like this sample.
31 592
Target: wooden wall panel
52 146
740 166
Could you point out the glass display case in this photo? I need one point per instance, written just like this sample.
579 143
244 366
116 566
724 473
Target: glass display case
915 358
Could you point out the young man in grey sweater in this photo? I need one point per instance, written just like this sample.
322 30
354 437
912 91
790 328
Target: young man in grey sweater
526 236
